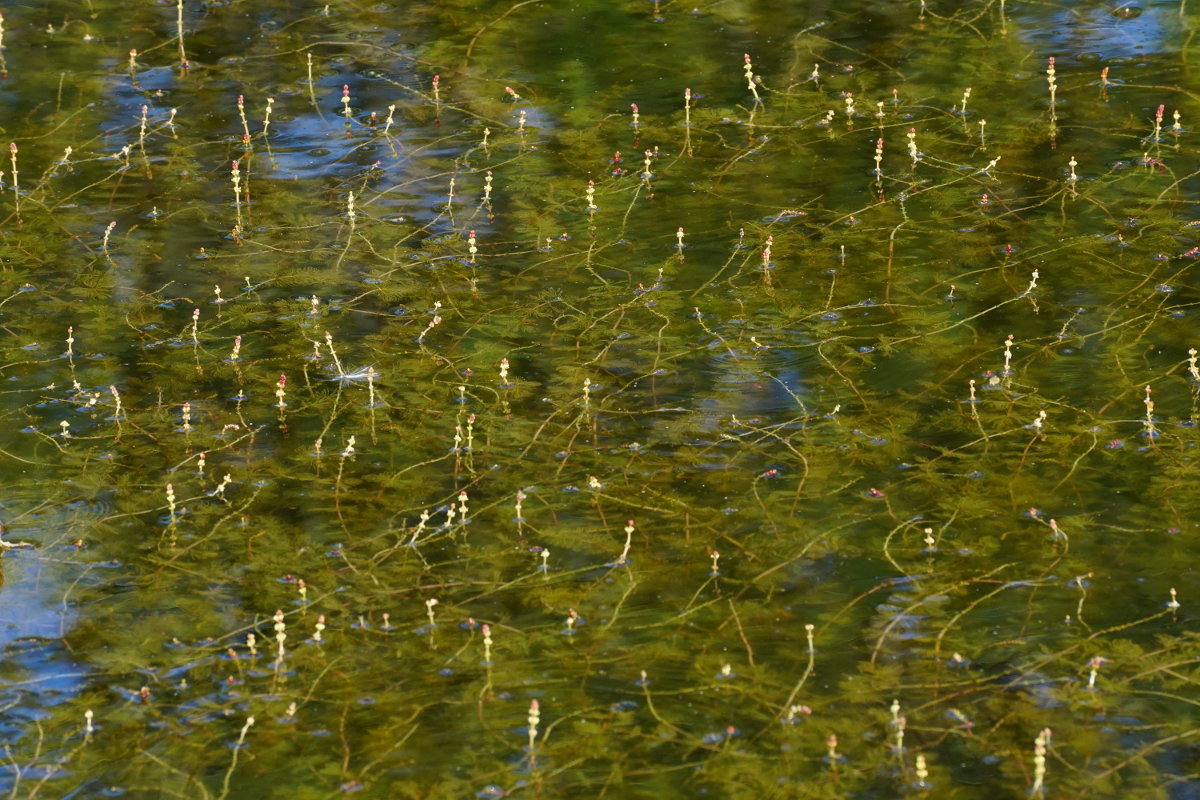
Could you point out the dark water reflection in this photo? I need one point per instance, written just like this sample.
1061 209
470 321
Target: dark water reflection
1102 34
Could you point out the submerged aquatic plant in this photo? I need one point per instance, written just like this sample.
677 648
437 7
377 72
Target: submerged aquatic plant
888 403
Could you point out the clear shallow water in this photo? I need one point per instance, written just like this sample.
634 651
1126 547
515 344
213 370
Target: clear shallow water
709 454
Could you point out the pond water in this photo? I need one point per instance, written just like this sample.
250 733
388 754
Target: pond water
629 399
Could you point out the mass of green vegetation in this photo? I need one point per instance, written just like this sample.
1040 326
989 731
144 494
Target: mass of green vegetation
612 399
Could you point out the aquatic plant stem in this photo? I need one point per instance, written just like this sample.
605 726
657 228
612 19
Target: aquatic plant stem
237 748
312 87
183 62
